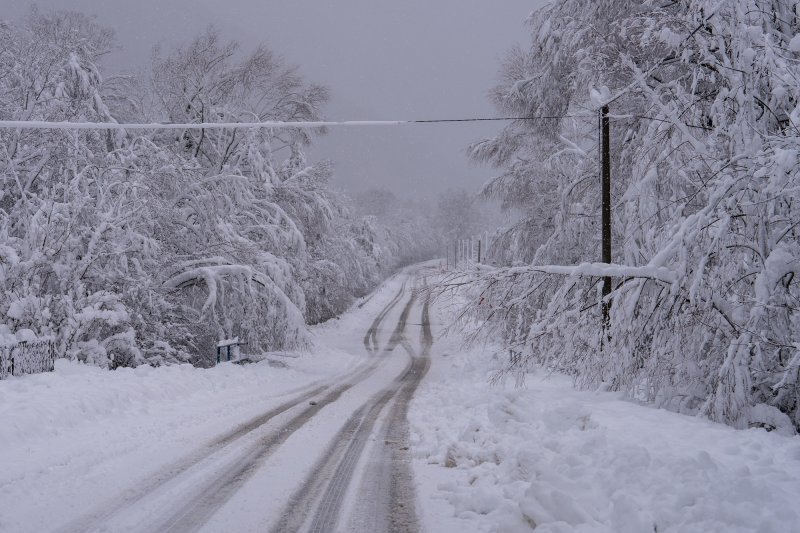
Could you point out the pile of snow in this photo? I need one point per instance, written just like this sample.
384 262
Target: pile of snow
546 455
9 338
74 395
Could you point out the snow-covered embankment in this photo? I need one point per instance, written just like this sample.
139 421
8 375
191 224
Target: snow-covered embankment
502 458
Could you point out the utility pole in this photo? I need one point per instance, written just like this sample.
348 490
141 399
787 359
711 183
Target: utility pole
605 181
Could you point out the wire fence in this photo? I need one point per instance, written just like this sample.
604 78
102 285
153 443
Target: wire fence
27 358
465 253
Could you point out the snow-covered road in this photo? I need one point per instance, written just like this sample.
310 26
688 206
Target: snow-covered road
282 445
387 424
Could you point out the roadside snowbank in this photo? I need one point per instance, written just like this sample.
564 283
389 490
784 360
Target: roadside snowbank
507 459
75 394
76 436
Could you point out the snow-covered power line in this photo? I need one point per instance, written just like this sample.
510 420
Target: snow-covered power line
45 125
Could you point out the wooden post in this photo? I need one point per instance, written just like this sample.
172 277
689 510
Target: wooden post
479 250
605 173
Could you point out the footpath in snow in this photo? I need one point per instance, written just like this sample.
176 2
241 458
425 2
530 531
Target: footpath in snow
503 458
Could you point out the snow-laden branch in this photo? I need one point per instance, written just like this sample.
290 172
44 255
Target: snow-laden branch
600 270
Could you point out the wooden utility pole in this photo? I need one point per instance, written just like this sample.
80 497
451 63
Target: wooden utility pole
605 181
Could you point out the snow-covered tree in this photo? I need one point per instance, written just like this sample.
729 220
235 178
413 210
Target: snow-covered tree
704 103
150 246
65 223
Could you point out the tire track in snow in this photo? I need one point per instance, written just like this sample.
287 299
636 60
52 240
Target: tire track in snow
371 338
132 496
325 490
387 496
196 510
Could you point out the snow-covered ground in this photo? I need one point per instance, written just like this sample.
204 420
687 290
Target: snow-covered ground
86 429
486 457
503 458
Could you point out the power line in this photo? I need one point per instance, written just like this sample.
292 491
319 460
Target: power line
497 119
65 125
46 125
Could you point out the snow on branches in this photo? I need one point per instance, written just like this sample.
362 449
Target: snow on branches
148 246
705 315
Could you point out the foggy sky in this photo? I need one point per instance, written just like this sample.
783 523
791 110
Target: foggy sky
382 60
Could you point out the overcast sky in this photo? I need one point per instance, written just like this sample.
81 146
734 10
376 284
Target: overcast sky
382 59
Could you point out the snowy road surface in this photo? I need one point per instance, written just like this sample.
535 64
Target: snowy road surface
334 451
387 424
